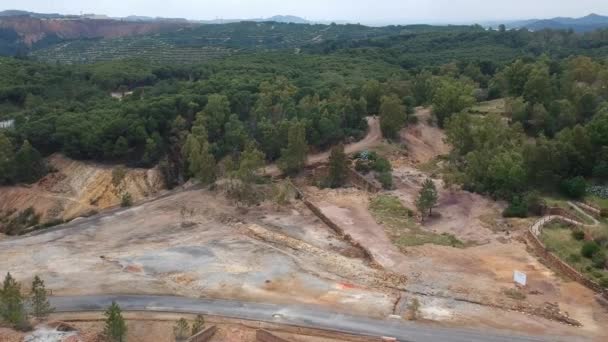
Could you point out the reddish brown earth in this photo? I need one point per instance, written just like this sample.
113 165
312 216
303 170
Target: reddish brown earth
32 30
78 188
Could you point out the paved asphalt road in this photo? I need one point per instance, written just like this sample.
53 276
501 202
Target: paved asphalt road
301 316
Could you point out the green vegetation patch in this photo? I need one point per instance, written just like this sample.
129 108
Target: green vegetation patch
489 107
560 240
401 226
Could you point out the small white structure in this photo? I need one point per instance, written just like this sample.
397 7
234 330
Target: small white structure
520 278
7 123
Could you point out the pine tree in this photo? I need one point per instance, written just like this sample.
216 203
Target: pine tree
7 160
293 158
392 116
427 198
116 328
181 330
198 324
196 151
28 163
241 183
40 303
12 308
338 167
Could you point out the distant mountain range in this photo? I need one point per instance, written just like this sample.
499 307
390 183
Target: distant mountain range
585 24
137 18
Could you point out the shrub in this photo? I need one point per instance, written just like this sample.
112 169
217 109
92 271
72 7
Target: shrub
574 257
574 187
578 235
126 200
181 330
514 294
386 179
589 249
599 260
198 325
414 309
382 165
118 175
604 282
534 203
517 208
412 120
601 170
362 166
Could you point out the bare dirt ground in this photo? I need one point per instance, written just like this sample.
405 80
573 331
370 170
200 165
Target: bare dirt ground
77 188
448 276
424 142
158 327
211 251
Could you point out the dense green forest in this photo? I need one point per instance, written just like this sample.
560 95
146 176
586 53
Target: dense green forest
275 103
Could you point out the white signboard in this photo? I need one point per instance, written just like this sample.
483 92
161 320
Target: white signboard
520 278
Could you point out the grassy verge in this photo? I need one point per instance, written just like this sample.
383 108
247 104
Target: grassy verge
559 240
597 201
401 226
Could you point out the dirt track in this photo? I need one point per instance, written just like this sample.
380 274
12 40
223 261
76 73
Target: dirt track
373 138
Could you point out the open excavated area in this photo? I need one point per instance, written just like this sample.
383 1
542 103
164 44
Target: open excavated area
471 252
194 243
373 259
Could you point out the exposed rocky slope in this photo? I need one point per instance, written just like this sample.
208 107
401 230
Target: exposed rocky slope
77 188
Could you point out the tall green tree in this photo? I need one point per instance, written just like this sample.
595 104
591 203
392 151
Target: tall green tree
29 165
115 327
12 308
451 97
372 91
40 305
215 115
7 160
293 157
427 198
338 167
121 147
196 151
392 116
538 86
241 184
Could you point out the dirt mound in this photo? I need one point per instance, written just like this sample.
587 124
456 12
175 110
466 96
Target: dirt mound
77 188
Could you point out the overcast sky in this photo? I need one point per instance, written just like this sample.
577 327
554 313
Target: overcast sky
407 11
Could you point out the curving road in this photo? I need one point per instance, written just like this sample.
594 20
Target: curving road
301 316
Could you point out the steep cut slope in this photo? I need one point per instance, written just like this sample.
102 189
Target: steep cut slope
77 188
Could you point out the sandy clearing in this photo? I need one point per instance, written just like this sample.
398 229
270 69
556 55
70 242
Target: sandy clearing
147 250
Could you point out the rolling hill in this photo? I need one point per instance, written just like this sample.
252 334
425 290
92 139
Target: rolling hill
588 23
